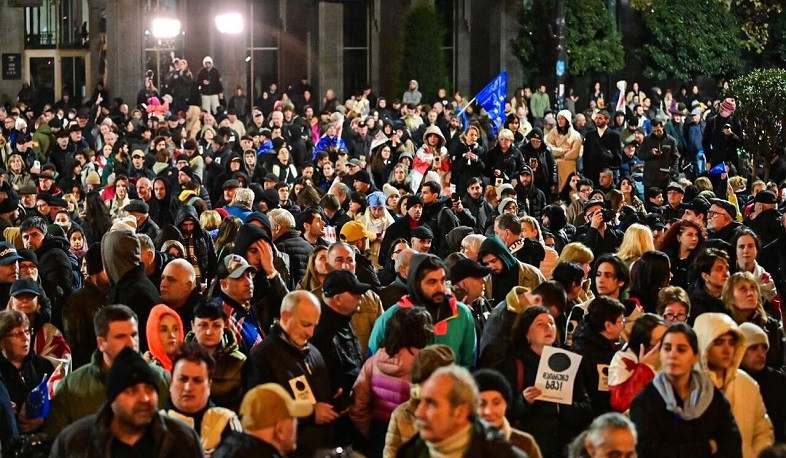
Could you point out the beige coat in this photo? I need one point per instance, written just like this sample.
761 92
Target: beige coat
566 150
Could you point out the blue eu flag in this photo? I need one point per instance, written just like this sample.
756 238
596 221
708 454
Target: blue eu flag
492 99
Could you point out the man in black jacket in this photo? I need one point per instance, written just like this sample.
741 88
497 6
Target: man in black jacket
476 204
531 199
286 357
402 228
129 422
198 243
597 234
289 241
54 265
338 344
602 148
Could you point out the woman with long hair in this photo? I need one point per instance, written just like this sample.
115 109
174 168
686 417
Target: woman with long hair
316 269
97 218
636 241
569 191
553 425
681 244
382 164
630 195
399 178
637 362
227 233
116 204
681 412
648 276
743 300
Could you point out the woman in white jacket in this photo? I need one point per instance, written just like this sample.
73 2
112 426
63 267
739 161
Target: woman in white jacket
565 143
722 347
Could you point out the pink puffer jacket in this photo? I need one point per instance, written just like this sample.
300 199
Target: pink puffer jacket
382 385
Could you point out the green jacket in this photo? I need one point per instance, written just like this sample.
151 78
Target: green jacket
83 392
538 103
226 388
457 331
43 141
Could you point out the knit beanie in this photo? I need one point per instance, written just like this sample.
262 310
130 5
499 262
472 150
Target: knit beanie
430 359
414 200
128 369
528 316
729 104
491 380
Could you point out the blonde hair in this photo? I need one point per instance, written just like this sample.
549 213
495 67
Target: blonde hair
209 220
738 183
703 184
576 252
533 224
728 292
636 241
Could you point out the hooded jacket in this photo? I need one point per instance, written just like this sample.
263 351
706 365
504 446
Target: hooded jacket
203 244
163 211
495 340
597 352
268 292
740 389
120 253
514 273
454 325
55 272
154 342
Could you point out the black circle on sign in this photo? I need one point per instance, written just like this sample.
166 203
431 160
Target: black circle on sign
605 371
300 385
558 362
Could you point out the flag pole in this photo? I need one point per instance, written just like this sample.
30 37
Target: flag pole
465 106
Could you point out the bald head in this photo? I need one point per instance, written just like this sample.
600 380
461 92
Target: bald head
178 281
300 311
144 188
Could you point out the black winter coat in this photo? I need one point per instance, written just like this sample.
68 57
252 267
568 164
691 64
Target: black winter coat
335 340
20 382
277 360
601 153
54 268
596 352
240 445
771 383
203 243
135 290
663 434
90 437
298 250
508 163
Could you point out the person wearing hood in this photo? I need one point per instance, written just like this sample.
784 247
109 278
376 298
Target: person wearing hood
55 266
412 94
253 243
165 335
722 347
432 155
602 148
540 159
771 381
453 322
506 270
122 259
163 204
198 243
565 144
681 412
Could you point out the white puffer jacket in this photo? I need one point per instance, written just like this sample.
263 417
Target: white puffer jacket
740 388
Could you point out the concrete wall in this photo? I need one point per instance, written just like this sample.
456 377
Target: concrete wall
12 25
125 53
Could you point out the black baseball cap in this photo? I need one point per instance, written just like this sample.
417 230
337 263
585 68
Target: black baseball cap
342 281
467 268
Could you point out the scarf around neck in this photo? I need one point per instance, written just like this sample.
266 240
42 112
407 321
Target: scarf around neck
699 399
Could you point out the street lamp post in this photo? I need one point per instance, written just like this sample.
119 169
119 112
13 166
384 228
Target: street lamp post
562 54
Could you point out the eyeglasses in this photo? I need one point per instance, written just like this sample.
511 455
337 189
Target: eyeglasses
20 334
671 318
713 214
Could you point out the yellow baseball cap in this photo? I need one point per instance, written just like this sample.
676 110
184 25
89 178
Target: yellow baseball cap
354 231
265 405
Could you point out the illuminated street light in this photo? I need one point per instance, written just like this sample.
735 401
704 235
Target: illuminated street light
231 23
165 27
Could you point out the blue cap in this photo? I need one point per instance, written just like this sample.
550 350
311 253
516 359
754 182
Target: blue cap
376 199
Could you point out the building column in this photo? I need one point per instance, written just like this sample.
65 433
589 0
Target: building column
463 49
331 56
125 48
509 31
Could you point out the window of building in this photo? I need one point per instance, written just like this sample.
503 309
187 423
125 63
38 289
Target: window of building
356 46
57 24
262 57
160 52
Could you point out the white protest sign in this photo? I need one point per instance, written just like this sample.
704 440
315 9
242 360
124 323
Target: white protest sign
556 375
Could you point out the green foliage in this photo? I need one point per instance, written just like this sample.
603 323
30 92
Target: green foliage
688 38
761 107
754 17
422 58
593 42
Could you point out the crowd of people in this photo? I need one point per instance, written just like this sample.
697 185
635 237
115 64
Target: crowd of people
192 276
